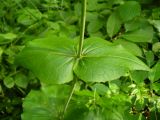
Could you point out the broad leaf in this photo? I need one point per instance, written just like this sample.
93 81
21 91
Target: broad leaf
129 10
47 104
50 59
54 59
129 46
113 25
104 62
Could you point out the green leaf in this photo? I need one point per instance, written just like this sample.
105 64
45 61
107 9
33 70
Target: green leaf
28 16
47 104
156 87
113 25
139 35
94 26
102 61
7 38
129 10
135 24
21 80
129 46
138 76
9 82
154 73
149 58
50 59
156 24
100 88
92 5
156 47
53 62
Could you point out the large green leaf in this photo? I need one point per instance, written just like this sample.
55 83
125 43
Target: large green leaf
50 59
54 59
47 104
103 62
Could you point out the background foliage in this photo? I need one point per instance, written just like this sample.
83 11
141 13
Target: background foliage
133 24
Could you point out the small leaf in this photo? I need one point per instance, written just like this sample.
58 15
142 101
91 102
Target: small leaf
156 47
94 26
154 73
149 58
156 24
140 35
21 80
113 25
9 82
138 76
129 10
135 24
28 16
156 87
7 38
100 88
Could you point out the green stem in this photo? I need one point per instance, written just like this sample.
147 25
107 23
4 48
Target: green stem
69 97
82 29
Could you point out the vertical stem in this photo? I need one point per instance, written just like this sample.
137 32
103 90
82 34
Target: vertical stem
82 28
69 97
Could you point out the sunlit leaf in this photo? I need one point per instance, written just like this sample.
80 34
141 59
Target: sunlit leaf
104 62
50 59
54 63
